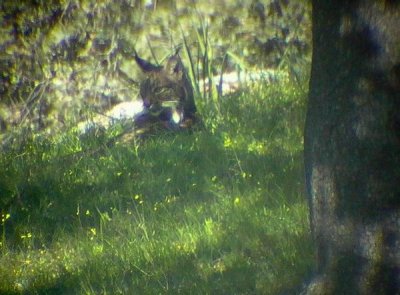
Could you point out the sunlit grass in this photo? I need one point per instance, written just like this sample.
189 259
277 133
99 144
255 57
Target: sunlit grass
217 211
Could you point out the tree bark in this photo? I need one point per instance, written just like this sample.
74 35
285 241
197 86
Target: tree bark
352 147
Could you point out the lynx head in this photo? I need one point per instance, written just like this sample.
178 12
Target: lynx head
167 86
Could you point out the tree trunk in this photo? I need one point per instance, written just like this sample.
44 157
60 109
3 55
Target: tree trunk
352 147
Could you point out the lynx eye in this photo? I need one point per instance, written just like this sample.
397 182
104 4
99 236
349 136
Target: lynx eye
159 90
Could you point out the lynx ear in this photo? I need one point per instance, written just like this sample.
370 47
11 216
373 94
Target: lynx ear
145 65
174 67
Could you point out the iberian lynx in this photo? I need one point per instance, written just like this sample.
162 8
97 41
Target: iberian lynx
167 92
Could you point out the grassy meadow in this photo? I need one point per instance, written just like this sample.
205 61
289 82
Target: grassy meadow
219 210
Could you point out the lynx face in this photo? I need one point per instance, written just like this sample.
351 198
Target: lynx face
167 91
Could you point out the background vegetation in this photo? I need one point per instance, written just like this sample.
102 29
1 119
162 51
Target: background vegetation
219 210
60 59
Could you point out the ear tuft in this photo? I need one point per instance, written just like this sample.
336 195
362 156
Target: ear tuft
146 66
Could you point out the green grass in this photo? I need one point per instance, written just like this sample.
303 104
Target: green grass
220 210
